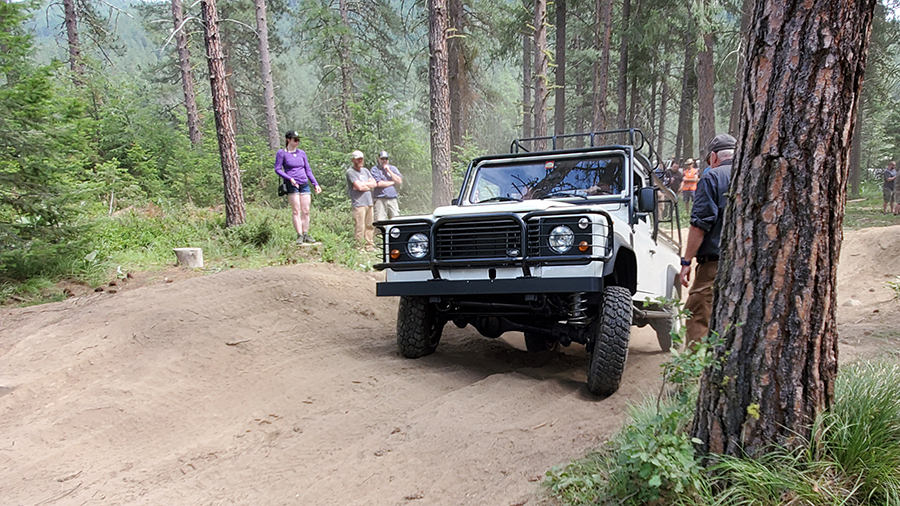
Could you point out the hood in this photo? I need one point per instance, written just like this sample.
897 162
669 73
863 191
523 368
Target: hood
501 207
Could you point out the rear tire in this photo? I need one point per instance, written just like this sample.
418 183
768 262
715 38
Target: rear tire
540 342
610 347
418 327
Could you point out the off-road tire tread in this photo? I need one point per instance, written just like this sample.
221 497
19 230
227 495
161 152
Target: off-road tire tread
610 350
418 327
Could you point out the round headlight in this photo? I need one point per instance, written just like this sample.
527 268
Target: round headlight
561 239
417 247
395 233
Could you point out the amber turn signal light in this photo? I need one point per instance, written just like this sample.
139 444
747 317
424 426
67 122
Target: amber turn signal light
395 254
583 246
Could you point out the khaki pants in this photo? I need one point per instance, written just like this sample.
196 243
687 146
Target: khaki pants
699 302
386 209
363 230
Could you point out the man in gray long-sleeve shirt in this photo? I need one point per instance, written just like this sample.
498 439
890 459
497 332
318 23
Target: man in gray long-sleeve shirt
707 218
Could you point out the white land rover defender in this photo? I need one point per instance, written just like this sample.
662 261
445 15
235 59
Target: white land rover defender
564 245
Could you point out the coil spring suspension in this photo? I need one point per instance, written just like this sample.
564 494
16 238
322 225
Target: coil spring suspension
577 314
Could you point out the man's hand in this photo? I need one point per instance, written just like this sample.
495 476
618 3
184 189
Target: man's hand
685 275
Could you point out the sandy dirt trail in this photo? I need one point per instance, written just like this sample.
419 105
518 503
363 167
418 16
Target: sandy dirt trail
284 386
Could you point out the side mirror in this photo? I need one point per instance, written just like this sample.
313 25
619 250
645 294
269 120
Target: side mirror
646 199
454 202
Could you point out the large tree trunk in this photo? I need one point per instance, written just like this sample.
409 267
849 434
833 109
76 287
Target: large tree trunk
234 193
71 21
559 122
735 118
623 67
441 180
775 297
541 65
706 99
456 67
346 69
527 86
663 109
265 72
187 77
684 141
603 34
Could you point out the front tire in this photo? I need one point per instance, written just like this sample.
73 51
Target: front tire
610 347
418 327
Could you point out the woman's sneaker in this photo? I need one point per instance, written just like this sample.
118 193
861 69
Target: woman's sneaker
309 240
301 238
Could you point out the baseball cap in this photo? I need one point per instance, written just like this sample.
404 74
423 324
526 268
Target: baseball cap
719 143
356 154
292 134
383 154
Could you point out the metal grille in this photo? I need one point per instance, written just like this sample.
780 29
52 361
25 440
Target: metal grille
478 240
534 238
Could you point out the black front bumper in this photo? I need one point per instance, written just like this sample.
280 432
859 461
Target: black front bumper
524 285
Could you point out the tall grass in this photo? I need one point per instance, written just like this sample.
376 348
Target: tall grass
854 458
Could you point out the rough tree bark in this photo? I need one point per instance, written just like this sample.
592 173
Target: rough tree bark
603 34
663 109
621 119
458 75
527 85
775 292
234 193
346 69
541 65
735 117
187 77
581 107
706 99
684 140
559 121
856 154
265 73
441 180
71 22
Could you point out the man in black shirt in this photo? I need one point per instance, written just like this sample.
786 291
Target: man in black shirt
707 217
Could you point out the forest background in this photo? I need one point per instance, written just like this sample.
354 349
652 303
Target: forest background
100 166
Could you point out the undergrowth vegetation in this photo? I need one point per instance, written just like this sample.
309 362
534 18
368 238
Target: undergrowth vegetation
854 458
142 239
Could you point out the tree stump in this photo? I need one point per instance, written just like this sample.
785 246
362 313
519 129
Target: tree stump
189 257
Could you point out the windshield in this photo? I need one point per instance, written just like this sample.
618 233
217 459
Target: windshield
584 177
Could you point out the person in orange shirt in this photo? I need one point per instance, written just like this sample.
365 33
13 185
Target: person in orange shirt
691 176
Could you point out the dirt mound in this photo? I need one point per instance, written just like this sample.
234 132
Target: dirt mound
284 386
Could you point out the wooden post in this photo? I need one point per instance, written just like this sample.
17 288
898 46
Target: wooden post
189 257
